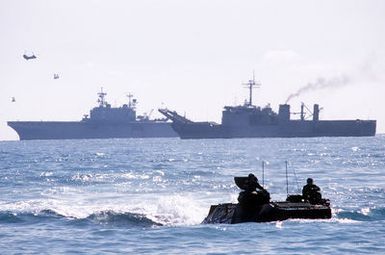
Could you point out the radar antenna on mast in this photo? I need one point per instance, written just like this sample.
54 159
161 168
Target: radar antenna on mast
101 99
250 84
131 101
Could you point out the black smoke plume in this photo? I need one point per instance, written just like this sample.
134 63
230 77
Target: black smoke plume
320 83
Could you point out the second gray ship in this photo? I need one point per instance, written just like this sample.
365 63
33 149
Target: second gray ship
249 120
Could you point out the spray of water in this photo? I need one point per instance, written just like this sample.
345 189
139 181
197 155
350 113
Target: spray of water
321 83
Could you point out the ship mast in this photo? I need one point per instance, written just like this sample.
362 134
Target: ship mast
250 84
101 99
131 101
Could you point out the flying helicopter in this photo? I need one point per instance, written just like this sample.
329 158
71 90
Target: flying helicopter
28 56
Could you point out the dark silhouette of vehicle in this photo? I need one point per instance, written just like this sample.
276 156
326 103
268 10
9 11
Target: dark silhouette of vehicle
255 206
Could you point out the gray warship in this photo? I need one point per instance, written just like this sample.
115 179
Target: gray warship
249 120
104 121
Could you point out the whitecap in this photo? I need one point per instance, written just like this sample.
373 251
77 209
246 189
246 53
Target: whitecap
278 224
46 174
365 211
81 177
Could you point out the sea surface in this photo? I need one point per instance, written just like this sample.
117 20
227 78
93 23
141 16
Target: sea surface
149 196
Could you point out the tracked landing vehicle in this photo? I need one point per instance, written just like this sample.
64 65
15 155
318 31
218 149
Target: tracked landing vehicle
260 209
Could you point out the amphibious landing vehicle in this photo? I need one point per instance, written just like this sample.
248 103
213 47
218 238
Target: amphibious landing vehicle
256 207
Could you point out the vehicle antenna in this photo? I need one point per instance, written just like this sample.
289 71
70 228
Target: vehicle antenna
296 179
263 173
287 180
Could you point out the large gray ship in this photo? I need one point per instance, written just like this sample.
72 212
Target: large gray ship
104 121
249 120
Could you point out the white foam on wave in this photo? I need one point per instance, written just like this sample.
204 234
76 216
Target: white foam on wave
171 210
82 177
365 211
132 176
345 221
64 208
333 219
106 177
179 210
279 224
46 174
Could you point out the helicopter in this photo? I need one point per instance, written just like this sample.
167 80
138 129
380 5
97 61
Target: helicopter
27 56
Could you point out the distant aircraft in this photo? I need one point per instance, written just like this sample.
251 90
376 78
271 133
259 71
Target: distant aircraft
29 56
13 99
55 76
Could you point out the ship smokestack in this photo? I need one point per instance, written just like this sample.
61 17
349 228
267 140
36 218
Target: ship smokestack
316 112
284 112
302 111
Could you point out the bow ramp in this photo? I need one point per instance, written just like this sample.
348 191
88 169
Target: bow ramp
174 116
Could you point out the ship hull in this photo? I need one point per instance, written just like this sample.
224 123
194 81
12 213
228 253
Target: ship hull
292 128
44 130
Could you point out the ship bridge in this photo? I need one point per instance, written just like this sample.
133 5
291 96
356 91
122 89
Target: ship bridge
113 114
104 111
243 116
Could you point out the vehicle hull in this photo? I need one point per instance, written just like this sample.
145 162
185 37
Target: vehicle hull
274 211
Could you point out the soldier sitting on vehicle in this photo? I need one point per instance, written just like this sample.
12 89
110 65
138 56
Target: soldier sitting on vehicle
311 192
250 197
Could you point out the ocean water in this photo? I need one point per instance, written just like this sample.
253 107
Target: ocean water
149 196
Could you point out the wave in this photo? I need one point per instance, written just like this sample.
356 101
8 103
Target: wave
118 218
27 217
364 214
122 219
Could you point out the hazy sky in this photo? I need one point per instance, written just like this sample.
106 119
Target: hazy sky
191 56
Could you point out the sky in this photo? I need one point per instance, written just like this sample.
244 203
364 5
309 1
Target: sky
191 56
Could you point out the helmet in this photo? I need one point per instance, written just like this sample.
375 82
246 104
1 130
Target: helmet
309 181
252 177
